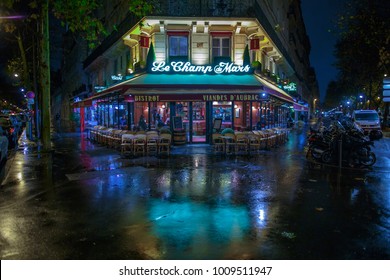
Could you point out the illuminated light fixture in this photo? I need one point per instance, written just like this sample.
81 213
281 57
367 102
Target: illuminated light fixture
16 75
194 27
238 27
162 26
163 106
206 27
235 106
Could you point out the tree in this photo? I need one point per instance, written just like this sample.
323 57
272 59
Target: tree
246 57
78 17
363 50
150 58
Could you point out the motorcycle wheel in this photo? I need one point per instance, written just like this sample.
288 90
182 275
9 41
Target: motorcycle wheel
326 156
370 160
316 155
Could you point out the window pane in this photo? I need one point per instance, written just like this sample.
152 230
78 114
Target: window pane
178 45
221 47
225 52
226 42
183 46
216 52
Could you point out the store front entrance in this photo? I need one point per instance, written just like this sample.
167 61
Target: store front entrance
194 116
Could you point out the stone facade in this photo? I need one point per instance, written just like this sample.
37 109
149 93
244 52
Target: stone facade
277 24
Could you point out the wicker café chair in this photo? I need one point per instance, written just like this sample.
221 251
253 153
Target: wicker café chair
152 144
139 144
218 143
164 144
242 143
127 145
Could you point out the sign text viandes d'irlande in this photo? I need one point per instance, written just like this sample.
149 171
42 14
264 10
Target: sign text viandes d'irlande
187 67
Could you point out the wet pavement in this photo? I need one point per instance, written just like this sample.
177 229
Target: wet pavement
83 201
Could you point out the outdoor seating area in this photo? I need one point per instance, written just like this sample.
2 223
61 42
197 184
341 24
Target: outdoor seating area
132 143
248 142
145 143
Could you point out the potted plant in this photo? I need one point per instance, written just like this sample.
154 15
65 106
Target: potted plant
256 65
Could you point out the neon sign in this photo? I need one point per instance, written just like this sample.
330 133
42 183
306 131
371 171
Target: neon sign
116 77
187 67
290 87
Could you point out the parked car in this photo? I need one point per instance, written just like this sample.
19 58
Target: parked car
369 121
17 122
9 131
3 146
23 117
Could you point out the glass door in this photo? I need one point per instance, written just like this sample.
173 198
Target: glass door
198 122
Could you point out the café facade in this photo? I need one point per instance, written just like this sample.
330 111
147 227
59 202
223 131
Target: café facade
192 74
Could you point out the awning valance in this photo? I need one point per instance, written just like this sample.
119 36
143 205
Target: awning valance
178 87
300 107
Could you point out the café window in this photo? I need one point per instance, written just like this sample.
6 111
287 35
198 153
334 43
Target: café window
178 47
221 49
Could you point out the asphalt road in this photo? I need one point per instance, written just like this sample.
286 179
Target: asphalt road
84 201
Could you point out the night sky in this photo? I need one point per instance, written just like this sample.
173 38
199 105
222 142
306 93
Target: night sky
319 18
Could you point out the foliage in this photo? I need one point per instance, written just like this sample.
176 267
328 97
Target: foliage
15 66
333 94
79 16
246 57
362 52
256 65
150 58
141 8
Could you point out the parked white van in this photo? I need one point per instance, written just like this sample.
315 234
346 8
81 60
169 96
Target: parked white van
369 121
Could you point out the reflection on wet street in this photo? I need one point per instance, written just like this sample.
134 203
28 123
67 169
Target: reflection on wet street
84 201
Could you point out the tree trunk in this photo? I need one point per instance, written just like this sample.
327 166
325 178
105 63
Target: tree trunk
45 76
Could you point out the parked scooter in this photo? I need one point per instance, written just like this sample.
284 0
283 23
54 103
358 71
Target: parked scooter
356 147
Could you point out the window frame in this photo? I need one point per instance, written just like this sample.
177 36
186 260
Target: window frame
178 35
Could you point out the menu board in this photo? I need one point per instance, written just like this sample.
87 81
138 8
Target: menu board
177 123
217 123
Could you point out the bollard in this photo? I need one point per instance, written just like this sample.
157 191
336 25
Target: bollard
340 153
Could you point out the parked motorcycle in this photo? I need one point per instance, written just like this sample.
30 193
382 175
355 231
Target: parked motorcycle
356 147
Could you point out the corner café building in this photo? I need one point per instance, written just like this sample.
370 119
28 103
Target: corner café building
197 76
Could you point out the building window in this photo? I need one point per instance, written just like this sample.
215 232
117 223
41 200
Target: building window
178 46
221 47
